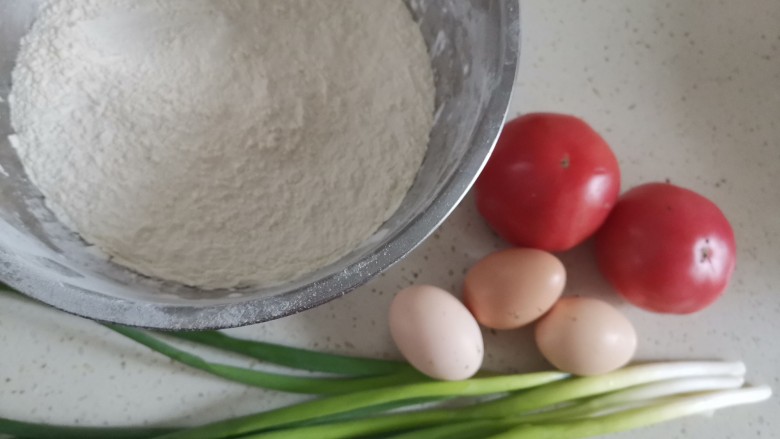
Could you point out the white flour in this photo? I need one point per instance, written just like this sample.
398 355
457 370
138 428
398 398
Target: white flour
223 143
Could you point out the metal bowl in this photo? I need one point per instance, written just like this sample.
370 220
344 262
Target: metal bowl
474 50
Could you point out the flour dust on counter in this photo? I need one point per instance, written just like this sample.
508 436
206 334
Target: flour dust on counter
224 143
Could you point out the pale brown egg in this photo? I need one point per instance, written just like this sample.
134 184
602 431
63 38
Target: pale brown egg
436 333
512 288
586 336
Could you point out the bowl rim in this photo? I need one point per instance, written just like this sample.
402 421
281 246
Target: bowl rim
261 309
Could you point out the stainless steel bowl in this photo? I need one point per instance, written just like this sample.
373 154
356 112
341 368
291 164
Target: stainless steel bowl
474 51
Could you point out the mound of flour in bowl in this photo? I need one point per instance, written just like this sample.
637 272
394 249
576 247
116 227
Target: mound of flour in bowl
223 143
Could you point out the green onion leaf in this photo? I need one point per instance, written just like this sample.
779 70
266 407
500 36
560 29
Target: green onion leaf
27 430
267 380
582 387
294 357
662 411
333 405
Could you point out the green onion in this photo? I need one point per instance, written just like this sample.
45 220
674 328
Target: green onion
662 411
267 380
25 430
367 398
459 430
630 376
636 396
372 410
332 405
447 423
522 402
293 357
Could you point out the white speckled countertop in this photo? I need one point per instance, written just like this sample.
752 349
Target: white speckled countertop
687 91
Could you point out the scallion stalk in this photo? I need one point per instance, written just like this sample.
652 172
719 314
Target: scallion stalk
296 358
469 429
365 396
310 410
636 396
29 430
661 411
619 386
547 396
267 380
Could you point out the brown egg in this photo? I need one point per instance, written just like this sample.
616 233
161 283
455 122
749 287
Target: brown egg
436 333
512 288
586 336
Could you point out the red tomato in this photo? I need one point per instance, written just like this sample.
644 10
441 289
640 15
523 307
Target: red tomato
550 182
666 249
